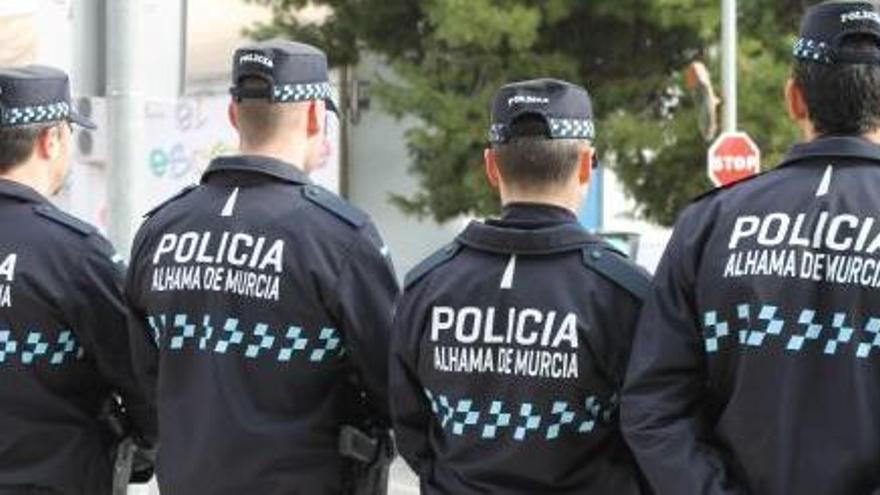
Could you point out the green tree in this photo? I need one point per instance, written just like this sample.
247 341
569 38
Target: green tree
451 55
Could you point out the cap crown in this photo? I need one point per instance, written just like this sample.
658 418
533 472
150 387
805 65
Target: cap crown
294 71
826 26
565 107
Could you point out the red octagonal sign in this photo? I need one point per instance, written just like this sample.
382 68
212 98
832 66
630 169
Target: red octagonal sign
732 158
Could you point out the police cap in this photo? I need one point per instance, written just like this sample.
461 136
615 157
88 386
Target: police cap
566 108
294 72
36 94
828 25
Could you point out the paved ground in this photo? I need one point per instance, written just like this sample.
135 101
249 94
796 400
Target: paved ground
403 482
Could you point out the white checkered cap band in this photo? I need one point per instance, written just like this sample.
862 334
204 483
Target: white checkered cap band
35 114
303 92
559 129
572 129
812 50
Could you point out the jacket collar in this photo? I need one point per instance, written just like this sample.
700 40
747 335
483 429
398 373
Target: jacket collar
12 189
505 240
833 147
533 215
257 164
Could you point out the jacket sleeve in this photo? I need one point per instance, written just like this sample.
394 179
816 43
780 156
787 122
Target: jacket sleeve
616 312
143 338
100 316
366 291
410 409
663 408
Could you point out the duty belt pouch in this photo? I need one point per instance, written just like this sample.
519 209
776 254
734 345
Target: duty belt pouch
369 461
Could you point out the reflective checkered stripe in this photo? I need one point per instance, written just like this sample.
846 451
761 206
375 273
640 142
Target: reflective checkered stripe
559 129
303 92
495 419
812 50
35 114
229 336
572 129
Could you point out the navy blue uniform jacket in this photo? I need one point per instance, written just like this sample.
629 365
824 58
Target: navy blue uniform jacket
756 365
509 350
264 306
64 350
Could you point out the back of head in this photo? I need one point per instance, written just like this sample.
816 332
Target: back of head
531 160
35 110
260 122
540 129
838 66
17 144
273 84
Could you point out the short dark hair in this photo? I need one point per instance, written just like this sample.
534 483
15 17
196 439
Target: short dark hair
17 144
259 121
531 159
842 99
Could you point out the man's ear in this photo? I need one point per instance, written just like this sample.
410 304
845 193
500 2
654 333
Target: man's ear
492 172
47 146
586 155
232 112
795 101
315 119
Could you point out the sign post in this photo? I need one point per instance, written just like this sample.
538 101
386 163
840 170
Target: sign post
732 158
728 63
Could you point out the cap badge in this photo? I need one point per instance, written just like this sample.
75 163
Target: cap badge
257 58
860 15
524 99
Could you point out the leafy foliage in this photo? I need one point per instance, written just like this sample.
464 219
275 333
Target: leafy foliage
451 56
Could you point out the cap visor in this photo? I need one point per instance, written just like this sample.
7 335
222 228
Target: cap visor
81 121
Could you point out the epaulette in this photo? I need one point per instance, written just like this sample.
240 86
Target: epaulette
183 192
335 205
430 263
712 192
71 222
618 270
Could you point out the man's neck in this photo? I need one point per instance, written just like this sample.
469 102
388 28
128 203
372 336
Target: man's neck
810 134
32 175
568 202
292 153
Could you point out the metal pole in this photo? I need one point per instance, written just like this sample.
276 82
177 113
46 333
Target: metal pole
89 48
184 35
728 63
125 108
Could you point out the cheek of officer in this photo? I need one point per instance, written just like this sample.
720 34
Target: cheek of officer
263 304
755 365
510 344
64 351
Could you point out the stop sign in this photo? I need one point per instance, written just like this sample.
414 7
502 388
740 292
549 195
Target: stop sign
732 158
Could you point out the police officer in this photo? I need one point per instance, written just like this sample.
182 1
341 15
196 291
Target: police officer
511 343
265 302
755 365
64 347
